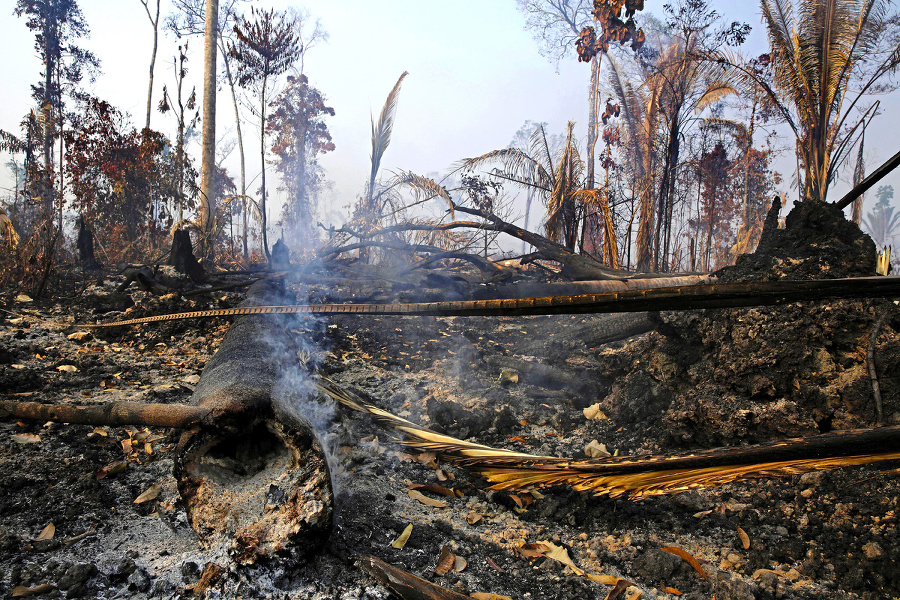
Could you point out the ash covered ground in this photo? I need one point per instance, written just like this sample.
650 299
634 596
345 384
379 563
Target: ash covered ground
695 379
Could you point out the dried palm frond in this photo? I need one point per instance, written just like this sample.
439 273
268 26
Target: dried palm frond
7 232
424 188
381 133
640 477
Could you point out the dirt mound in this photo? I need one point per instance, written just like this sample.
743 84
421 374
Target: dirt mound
817 242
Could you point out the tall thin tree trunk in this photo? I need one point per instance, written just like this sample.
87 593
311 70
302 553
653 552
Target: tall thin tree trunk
155 22
240 140
593 121
262 155
208 164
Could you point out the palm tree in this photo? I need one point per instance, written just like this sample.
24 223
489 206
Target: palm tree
558 178
882 224
818 49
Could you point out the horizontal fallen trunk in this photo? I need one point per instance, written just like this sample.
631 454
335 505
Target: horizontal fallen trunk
690 297
111 414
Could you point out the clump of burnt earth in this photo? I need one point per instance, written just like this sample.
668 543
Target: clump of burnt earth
817 242
746 375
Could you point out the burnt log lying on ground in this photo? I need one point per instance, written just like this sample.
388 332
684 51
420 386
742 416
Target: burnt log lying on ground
255 478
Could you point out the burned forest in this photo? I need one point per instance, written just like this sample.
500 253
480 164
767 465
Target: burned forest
267 345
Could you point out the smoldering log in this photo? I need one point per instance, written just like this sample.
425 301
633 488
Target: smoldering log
255 480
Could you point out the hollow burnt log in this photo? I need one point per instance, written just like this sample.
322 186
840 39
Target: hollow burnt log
253 480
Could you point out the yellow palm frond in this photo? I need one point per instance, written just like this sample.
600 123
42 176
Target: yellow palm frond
640 477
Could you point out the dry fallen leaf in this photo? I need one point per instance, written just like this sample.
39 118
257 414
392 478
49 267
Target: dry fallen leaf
434 489
670 590
596 450
78 336
24 592
473 518
402 538
617 589
685 556
417 495
67 368
445 562
604 579
460 564
560 555
152 493
25 438
745 539
23 298
47 532
593 413
489 596
639 593
113 468
100 431
508 377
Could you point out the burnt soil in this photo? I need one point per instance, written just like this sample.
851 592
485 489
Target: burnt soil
698 379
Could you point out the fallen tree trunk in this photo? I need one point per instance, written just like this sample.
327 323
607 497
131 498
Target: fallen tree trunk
113 414
255 480
690 297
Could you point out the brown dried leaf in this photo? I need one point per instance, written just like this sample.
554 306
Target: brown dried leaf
126 445
47 532
445 561
637 595
113 468
25 438
402 538
429 459
24 592
100 431
532 550
745 539
416 495
604 579
473 518
434 489
489 596
78 336
670 590
617 589
151 493
686 557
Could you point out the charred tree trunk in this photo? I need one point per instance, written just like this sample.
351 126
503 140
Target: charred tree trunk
182 257
85 245
257 479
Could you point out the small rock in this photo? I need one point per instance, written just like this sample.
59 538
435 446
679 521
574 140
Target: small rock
781 530
656 565
873 551
76 575
812 479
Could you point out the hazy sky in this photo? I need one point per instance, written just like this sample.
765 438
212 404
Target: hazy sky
475 76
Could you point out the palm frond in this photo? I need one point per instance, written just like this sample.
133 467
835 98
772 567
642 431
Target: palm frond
424 188
381 132
639 477
10 143
714 92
